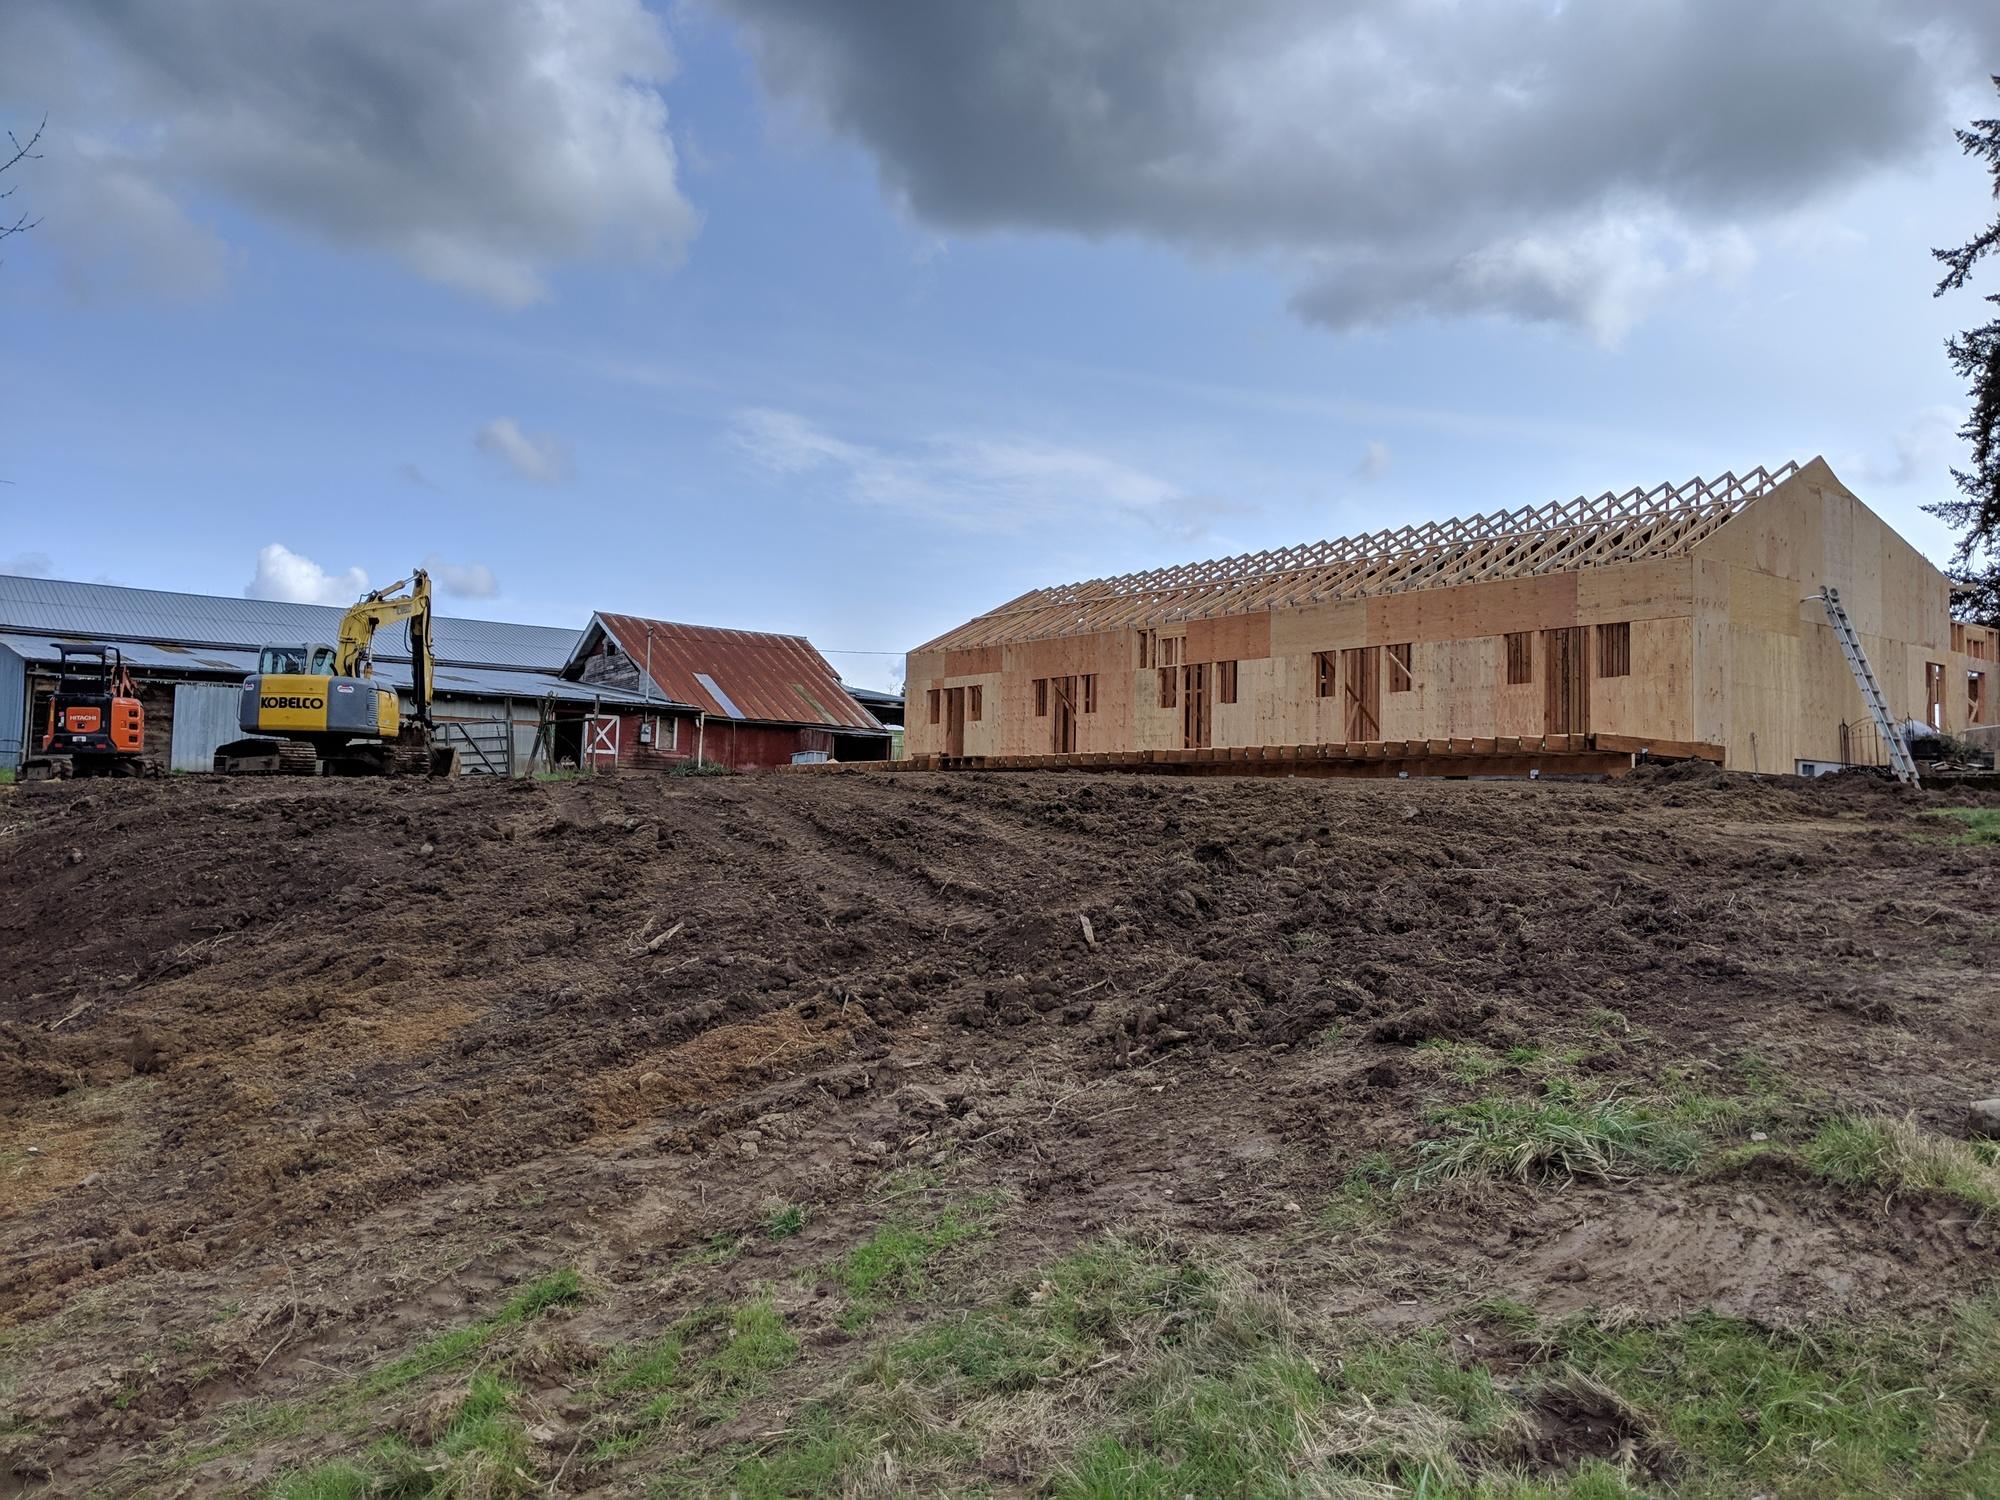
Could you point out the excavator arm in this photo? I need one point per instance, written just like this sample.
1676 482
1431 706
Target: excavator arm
384 607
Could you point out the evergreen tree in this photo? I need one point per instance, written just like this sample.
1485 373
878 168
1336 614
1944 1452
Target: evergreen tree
1975 355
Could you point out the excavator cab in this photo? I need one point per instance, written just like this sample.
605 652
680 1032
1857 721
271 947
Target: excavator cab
316 709
316 661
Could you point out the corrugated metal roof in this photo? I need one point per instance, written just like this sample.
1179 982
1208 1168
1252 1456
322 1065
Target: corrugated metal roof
735 674
238 663
118 613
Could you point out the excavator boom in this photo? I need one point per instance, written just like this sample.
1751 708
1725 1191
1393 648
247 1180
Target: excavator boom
320 709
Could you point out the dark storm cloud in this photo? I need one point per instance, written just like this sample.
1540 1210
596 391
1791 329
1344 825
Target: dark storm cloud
1549 161
478 141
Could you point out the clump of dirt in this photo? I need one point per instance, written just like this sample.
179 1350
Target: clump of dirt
349 1056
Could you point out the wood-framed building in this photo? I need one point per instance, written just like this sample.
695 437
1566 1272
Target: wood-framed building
1681 614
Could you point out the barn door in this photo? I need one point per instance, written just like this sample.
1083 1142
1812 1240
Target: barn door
1360 670
1062 715
1194 705
954 721
1568 677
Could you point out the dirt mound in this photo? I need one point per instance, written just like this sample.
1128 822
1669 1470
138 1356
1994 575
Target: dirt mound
345 1055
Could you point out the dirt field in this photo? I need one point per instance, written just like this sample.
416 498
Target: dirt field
996 1134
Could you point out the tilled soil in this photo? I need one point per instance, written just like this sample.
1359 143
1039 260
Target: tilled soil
291 1072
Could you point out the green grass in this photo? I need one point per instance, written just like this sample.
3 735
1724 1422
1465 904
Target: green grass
784 1220
1880 1152
1553 1139
1142 1368
460 1344
1837 1411
1362 1201
701 768
6 776
246 1424
484 1454
1981 824
1465 1062
657 1383
912 1401
757 1344
892 1263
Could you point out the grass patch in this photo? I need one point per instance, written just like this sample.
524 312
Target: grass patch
757 1344
893 1262
1462 1060
909 1417
1138 1369
784 1220
752 1342
248 1423
1553 1138
718 1250
1835 1412
1362 1199
1880 1152
484 1454
460 1344
701 768
1979 825
1242 1405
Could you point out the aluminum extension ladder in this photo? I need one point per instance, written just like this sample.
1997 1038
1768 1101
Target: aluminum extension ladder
1900 760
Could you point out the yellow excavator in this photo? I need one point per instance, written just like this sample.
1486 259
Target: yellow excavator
317 710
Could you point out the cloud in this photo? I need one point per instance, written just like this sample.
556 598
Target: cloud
283 574
1924 452
479 142
1374 462
463 580
27 565
540 459
971 482
411 473
1561 163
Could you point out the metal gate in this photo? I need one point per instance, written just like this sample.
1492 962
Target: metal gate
485 746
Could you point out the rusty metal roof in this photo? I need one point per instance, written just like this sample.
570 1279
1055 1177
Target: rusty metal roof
733 674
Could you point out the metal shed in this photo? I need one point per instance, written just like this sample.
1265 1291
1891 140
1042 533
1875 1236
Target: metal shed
496 683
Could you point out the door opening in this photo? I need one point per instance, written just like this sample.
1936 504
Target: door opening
1361 672
1194 705
954 721
1568 692
1062 715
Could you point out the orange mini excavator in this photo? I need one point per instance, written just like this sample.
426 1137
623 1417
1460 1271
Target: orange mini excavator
95 726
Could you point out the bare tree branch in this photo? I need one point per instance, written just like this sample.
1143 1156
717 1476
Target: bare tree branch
22 224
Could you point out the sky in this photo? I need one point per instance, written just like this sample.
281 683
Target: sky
856 318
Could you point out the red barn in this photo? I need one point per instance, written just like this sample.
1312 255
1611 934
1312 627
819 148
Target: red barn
743 699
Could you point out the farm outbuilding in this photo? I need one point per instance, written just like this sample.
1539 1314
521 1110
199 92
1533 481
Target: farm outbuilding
746 699
500 696
1687 618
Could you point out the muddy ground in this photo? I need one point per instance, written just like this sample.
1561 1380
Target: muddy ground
294 1076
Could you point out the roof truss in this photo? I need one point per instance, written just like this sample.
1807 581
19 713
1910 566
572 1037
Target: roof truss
1561 537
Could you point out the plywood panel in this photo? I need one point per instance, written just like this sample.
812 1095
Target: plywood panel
972 662
1639 591
1319 627
1655 699
1474 609
1231 638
